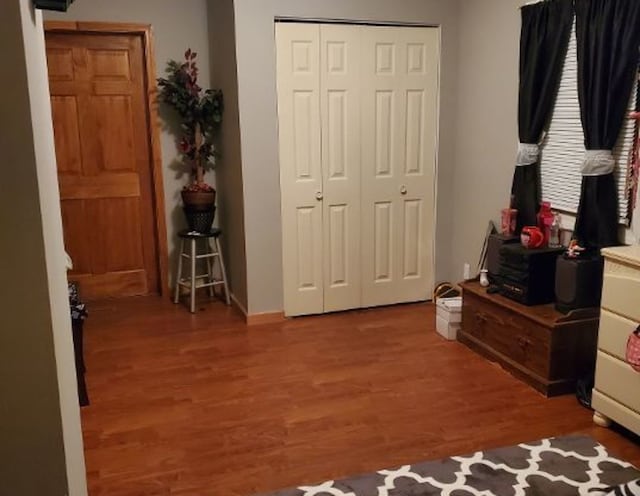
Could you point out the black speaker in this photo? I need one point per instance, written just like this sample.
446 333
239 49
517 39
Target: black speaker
59 5
578 282
496 241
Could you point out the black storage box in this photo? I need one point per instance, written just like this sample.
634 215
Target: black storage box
528 275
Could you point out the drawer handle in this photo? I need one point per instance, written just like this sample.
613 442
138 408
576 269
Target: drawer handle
523 342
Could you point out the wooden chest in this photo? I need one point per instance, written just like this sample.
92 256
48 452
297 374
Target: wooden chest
538 344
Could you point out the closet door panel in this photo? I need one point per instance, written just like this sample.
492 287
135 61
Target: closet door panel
399 112
419 83
341 156
298 76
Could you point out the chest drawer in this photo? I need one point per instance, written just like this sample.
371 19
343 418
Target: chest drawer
508 333
614 333
616 379
621 289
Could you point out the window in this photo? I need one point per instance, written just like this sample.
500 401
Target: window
563 146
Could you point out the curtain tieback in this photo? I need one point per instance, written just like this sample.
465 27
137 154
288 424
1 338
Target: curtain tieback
528 153
598 163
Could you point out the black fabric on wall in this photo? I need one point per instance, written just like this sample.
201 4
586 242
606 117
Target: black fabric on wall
544 39
597 219
525 194
608 36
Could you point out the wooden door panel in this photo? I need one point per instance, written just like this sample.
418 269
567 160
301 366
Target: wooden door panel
140 125
124 185
109 65
120 230
67 134
112 133
76 241
60 64
103 142
114 88
108 285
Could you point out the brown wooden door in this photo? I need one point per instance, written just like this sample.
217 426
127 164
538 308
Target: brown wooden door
103 149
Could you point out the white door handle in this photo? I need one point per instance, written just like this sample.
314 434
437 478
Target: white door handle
319 195
403 190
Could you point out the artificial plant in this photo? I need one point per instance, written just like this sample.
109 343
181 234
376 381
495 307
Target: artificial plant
200 112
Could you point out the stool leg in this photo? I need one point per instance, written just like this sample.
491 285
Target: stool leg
224 272
210 269
193 276
176 296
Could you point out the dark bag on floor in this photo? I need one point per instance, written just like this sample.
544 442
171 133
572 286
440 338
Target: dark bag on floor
583 390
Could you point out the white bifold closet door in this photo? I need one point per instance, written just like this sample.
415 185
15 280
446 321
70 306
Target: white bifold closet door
357 111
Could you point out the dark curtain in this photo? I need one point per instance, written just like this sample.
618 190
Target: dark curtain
608 35
544 38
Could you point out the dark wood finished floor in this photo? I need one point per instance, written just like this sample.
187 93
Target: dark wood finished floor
203 405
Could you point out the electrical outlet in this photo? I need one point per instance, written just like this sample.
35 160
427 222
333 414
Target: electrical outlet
466 275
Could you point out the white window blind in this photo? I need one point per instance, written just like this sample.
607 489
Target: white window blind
563 147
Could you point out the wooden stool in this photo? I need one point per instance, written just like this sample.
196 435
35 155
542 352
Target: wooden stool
210 255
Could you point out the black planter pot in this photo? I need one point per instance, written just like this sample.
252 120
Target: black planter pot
199 209
199 220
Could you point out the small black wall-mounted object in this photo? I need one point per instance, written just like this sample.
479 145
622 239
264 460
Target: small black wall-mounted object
59 5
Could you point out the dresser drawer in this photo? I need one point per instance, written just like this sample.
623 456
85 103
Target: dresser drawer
621 289
506 332
616 379
614 333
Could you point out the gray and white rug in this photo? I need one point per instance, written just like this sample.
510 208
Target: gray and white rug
551 467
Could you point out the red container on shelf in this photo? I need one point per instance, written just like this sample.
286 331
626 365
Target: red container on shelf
531 237
508 221
545 220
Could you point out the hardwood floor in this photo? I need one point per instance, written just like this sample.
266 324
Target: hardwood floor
203 405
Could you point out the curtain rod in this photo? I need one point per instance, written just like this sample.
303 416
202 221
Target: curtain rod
533 2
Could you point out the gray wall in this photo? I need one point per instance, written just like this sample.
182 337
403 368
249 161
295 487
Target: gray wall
229 171
177 25
486 123
258 120
40 437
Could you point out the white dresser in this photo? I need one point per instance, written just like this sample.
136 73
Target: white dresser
616 395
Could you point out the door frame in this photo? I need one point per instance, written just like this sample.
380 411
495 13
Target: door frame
145 32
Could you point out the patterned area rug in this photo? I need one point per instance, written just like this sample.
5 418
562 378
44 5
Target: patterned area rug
551 467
